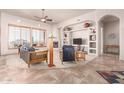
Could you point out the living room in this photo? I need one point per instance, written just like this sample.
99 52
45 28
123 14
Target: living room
76 41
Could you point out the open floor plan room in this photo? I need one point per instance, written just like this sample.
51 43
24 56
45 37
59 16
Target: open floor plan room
61 46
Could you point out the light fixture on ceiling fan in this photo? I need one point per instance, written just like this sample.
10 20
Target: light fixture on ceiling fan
43 18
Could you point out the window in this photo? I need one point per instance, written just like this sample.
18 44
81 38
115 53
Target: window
20 35
38 37
25 35
14 37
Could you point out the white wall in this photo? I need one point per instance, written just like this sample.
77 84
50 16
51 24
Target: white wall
81 34
10 19
108 29
87 16
55 32
96 16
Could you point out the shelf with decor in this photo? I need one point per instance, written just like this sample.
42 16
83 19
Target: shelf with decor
92 37
92 42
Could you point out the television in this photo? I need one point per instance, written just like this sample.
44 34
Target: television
77 41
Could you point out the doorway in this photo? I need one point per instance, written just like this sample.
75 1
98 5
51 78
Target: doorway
109 35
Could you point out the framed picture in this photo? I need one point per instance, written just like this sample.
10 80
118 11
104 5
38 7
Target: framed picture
55 44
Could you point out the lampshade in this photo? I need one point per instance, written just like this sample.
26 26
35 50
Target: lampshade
51 35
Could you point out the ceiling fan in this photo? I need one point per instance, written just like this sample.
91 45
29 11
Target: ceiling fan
43 18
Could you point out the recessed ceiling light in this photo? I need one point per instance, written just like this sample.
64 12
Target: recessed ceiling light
18 21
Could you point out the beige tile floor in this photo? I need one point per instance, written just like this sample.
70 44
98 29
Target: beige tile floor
79 74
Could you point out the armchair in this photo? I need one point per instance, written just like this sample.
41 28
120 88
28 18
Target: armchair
68 53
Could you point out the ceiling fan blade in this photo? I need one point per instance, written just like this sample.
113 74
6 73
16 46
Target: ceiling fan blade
49 19
43 18
38 20
37 17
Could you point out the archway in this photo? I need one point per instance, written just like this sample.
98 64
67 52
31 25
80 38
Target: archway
109 35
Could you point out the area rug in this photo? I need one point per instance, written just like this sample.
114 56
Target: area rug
113 77
15 61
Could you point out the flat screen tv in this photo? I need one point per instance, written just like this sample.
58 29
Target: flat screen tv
77 41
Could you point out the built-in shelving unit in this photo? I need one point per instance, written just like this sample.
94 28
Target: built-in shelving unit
92 43
89 34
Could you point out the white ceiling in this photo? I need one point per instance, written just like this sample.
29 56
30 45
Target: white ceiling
57 15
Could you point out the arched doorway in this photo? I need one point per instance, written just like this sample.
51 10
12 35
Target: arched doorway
109 35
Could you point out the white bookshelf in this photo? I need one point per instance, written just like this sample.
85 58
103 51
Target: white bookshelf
92 44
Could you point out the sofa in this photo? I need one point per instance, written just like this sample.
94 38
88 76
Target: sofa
32 55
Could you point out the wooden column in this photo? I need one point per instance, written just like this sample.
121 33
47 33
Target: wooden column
51 64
